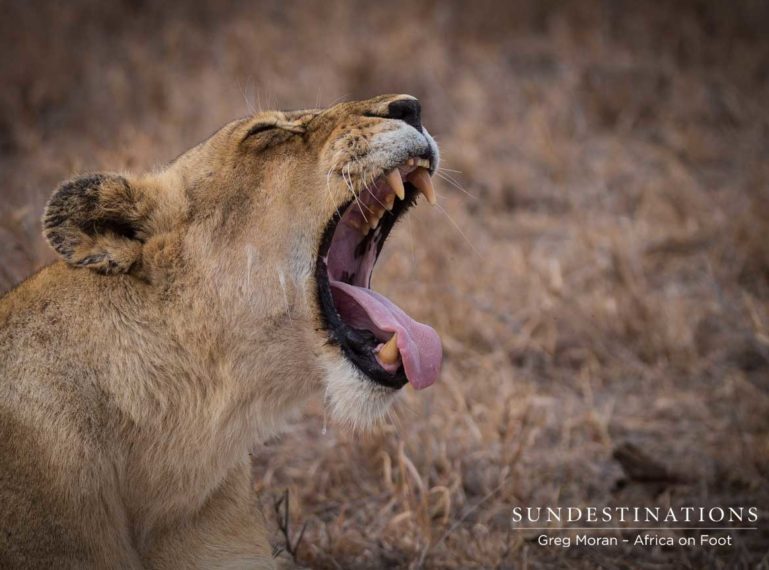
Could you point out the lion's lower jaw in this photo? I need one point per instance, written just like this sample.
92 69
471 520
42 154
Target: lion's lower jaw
354 400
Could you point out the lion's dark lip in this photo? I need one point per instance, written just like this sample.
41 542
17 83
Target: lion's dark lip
358 345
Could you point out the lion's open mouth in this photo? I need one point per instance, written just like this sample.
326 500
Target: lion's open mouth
385 343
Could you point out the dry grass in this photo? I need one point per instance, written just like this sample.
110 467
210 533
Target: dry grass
601 280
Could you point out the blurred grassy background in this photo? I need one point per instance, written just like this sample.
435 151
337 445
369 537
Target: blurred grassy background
600 278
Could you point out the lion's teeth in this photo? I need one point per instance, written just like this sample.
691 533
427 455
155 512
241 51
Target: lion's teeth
421 162
395 182
389 354
379 213
421 179
389 200
353 222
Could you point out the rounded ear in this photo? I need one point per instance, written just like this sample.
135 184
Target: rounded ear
97 221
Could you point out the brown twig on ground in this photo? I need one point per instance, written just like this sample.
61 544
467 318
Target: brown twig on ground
282 514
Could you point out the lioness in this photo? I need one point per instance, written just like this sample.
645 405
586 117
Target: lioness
192 308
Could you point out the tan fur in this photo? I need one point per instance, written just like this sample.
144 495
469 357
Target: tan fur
179 328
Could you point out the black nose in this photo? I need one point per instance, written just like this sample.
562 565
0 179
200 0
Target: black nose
407 110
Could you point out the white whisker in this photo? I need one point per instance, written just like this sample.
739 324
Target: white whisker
366 185
328 191
442 209
373 194
455 184
411 243
348 181
249 104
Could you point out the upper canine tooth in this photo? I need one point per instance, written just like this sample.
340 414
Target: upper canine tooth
389 200
389 354
421 179
395 182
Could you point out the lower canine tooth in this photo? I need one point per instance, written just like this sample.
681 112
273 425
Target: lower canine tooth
421 179
395 182
389 354
353 223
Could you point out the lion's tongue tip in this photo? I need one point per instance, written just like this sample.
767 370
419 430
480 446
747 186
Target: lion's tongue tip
422 383
422 357
418 344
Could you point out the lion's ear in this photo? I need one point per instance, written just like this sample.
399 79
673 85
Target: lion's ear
98 221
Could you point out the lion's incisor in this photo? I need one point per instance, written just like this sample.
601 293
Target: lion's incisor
179 327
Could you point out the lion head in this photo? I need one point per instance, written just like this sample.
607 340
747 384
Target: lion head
258 246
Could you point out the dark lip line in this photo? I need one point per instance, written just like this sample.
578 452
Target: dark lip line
358 346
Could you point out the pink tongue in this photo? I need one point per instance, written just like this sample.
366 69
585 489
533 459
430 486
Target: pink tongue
419 345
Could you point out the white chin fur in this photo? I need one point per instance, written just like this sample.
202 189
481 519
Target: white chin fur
353 399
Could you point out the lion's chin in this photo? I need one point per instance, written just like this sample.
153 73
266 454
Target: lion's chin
354 400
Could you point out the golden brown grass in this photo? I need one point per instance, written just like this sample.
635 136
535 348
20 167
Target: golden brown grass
600 280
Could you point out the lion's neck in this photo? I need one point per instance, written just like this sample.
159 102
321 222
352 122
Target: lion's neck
204 395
